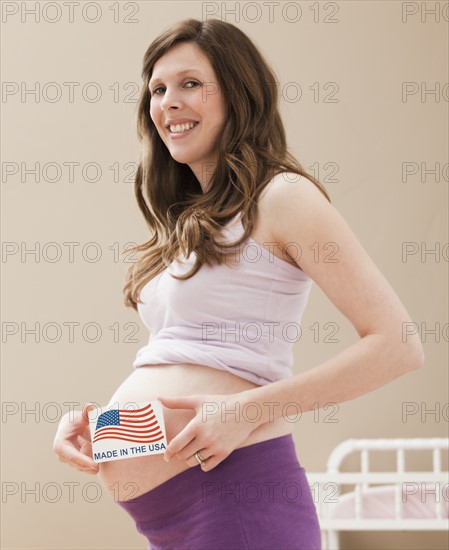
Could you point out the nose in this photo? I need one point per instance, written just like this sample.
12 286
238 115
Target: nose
171 99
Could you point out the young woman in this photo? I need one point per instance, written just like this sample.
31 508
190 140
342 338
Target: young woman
240 232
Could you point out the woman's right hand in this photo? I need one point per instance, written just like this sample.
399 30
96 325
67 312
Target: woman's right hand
72 442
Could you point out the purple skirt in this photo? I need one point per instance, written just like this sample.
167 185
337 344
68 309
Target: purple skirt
256 498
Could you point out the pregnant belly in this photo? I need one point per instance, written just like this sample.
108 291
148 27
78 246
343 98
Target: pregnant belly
129 478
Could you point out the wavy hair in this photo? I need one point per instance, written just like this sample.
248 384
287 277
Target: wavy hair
252 150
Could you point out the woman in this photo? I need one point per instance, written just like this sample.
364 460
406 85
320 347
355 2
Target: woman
215 164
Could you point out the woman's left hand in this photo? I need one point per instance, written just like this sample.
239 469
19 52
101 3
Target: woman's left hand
218 428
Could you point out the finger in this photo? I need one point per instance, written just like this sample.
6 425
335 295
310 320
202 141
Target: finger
178 443
193 461
183 402
87 407
82 467
62 459
75 459
189 451
87 471
212 462
76 465
84 445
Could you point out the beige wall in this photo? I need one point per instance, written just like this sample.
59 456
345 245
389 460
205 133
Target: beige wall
370 132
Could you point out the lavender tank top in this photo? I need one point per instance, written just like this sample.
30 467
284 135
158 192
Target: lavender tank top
243 318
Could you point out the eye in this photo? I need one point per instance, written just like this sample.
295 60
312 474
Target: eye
155 91
192 82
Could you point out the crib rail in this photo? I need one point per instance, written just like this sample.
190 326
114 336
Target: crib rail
327 487
341 451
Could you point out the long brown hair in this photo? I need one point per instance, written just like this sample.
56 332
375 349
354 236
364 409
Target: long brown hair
252 150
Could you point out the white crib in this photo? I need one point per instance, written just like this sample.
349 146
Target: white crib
397 500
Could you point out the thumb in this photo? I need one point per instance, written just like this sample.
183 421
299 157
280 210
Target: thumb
87 407
184 402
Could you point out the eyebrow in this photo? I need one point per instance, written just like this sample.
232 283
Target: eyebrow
185 71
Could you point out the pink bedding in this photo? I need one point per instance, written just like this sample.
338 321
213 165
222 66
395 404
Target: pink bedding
418 501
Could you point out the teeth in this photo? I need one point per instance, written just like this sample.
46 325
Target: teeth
181 127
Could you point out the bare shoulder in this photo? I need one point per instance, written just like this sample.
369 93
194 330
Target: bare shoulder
287 200
286 186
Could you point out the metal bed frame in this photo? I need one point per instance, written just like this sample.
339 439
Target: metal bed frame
326 488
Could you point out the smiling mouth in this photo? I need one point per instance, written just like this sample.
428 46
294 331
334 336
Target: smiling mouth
182 128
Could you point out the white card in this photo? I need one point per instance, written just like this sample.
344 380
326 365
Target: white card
135 430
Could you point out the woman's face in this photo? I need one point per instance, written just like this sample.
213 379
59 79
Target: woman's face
183 87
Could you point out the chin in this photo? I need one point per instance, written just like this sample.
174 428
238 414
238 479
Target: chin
183 159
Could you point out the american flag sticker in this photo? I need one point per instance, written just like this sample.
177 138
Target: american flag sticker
129 432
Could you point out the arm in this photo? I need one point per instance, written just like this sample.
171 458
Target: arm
298 213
